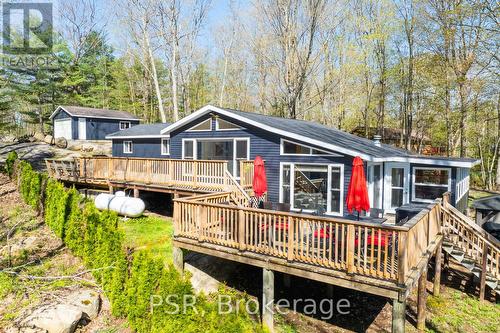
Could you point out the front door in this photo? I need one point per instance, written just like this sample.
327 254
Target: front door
396 189
82 129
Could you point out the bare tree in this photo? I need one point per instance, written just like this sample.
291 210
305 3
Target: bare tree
294 25
138 17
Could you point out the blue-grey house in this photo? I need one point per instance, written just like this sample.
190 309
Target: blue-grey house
82 123
308 165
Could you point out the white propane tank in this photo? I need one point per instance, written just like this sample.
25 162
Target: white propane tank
126 206
120 194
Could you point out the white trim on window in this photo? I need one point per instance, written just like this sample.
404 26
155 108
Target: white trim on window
128 147
194 148
217 128
370 179
282 149
329 185
413 184
234 139
209 120
165 150
125 125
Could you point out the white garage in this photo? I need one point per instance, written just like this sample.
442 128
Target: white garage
62 128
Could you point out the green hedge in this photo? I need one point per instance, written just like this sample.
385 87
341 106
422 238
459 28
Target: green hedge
9 163
129 281
31 185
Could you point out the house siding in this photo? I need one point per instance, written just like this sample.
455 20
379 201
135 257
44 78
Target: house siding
262 143
149 147
98 128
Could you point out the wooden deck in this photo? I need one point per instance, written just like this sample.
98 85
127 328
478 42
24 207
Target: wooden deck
380 259
163 175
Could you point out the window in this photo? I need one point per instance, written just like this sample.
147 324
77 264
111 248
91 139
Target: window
313 187
203 126
127 147
292 148
165 146
241 154
430 183
336 189
222 125
124 125
188 150
232 150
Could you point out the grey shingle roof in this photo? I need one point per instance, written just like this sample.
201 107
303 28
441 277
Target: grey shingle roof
98 113
140 130
337 137
488 203
325 134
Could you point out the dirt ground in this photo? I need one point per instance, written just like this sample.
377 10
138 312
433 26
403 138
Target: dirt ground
31 271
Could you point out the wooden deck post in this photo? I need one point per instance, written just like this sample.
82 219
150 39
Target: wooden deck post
136 192
482 278
241 230
422 300
268 299
178 259
398 315
111 190
437 270
350 248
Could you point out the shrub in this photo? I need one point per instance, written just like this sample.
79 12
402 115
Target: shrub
129 284
30 185
56 198
75 226
9 163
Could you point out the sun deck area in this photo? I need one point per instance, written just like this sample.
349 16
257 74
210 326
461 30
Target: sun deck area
212 215
379 259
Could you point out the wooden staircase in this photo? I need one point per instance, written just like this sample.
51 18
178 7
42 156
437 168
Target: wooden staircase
472 247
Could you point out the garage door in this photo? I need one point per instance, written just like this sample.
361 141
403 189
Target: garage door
62 128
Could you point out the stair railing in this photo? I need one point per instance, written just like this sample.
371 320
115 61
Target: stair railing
238 194
479 245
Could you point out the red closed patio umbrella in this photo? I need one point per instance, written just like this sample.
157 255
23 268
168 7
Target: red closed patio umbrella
357 193
259 177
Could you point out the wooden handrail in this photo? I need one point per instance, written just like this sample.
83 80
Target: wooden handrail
356 247
472 240
240 195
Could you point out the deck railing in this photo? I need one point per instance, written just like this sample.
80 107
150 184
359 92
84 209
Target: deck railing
210 176
246 174
380 251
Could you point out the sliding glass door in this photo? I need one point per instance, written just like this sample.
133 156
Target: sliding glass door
232 150
313 187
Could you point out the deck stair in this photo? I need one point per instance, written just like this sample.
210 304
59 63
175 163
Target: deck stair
467 243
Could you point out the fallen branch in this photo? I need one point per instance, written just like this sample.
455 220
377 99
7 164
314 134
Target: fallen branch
76 276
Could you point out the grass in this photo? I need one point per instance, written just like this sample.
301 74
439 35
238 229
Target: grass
454 311
477 194
151 232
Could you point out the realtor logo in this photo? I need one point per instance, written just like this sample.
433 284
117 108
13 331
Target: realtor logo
27 27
